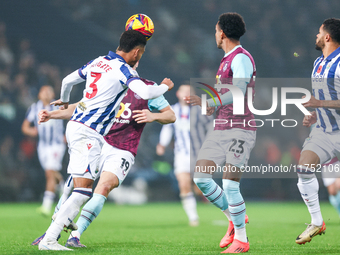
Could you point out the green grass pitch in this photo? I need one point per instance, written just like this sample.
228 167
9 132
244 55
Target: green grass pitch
162 228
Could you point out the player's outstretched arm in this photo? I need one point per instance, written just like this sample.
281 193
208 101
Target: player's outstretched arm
315 103
149 92
165 116
68 82
44 115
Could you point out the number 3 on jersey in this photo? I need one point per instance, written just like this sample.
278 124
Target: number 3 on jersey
93 85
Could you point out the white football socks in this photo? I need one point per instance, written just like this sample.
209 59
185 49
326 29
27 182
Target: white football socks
68 211
309 187
48 199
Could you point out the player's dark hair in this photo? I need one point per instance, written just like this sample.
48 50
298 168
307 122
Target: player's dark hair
232 25
332 26
131 39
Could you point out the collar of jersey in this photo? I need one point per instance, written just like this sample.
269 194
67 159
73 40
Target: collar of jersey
228 53
333 54
111 55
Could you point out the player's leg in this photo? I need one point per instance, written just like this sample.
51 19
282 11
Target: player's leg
308 186
318 148
114 166
237 147
49 194
214 194
60 183
68 211
187 197
93 207
56 161
188 200
209 155
237 209
51 159
236 234
68 187
48 198
204 170
70 208
83 162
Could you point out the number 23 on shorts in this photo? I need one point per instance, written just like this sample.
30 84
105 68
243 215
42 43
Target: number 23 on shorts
239 149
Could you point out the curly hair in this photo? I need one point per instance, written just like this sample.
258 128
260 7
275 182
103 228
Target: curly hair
332 26
131 39
232 25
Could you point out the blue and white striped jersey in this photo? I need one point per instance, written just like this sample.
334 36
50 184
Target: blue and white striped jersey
326 86
189 130
50 132
107 78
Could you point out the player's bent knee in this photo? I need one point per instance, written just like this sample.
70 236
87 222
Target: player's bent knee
105 187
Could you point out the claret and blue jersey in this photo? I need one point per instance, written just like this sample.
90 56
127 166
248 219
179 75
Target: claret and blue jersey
125 133
326 86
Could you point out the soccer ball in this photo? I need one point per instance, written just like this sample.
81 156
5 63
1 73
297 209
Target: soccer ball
141 23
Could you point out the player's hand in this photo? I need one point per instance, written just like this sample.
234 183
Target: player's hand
143 116
313 102
160 150
193 100
309 120
43 116
62 105
210 110
168 82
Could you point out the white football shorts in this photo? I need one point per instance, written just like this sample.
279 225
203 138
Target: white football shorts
84 147
181 163
232 146
116 161
51 156
325 145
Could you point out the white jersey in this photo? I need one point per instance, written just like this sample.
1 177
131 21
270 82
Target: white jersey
107 79
51 132
186 139
326 86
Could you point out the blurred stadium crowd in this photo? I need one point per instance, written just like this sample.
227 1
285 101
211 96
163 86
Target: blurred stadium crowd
182 47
